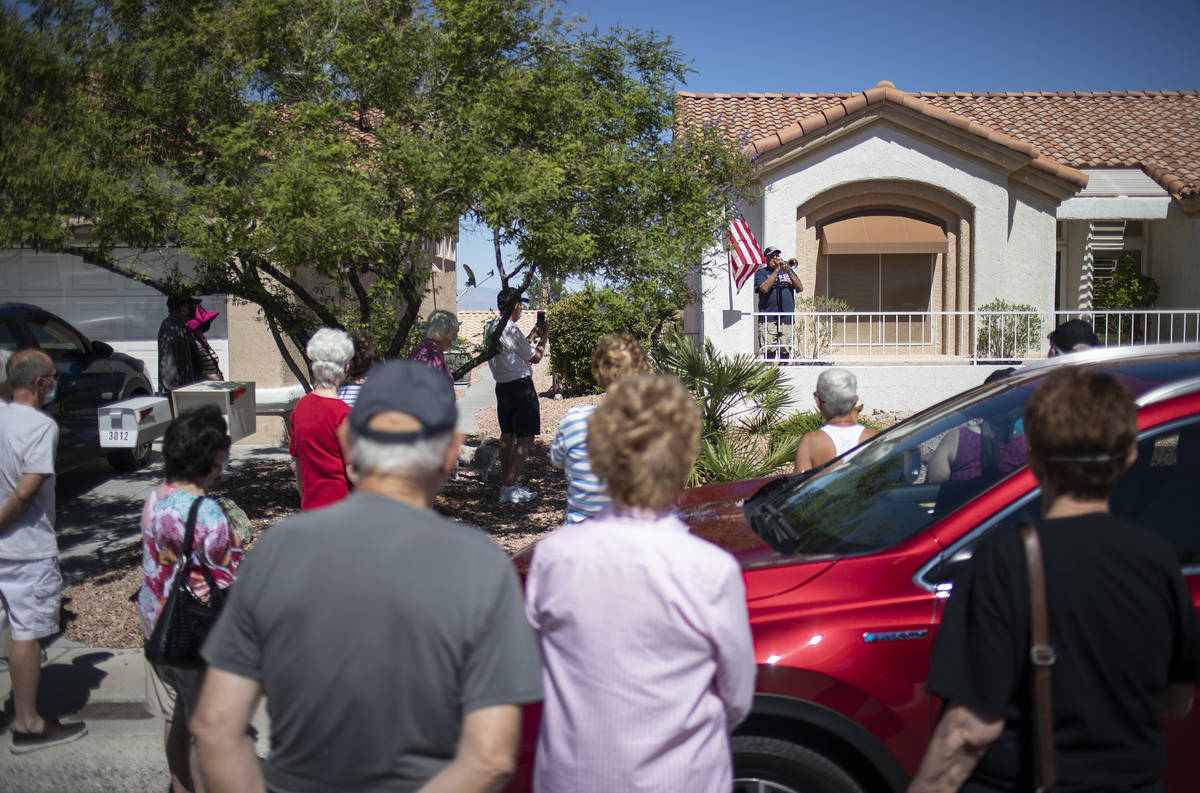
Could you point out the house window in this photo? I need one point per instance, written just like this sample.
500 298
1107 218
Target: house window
881 281
879 262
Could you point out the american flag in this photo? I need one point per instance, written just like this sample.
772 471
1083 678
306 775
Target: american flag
745 256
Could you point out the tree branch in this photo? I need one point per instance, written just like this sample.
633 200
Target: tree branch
299 291
364 300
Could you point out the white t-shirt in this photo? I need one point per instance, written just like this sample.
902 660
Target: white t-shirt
512 362
28 441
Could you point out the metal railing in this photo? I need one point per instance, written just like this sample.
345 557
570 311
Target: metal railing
953 336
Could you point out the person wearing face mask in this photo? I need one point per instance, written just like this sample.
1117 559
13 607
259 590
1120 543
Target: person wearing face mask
30 583
195 450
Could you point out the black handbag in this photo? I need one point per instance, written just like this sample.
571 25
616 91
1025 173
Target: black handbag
184 622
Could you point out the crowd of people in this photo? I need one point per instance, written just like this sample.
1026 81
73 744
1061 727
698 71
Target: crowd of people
396 648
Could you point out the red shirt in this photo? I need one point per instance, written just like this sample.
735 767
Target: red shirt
314 444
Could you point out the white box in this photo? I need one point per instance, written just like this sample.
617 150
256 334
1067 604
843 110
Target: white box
132 422
235 399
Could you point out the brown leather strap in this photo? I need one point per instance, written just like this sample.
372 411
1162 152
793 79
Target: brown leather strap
1041 654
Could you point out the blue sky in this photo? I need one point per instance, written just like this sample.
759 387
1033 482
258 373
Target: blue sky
922 45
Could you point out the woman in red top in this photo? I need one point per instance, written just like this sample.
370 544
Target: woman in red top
320 468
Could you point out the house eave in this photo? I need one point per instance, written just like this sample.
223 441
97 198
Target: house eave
1024 164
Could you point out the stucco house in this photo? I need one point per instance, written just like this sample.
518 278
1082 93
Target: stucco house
918 209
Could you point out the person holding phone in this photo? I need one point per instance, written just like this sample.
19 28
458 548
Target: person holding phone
516 399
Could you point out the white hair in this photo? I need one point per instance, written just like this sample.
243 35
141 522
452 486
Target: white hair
441 325
417 459
329 351
838 390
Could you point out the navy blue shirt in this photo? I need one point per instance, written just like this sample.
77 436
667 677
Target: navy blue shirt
782 294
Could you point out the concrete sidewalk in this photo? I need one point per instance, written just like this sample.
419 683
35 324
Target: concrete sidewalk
123 750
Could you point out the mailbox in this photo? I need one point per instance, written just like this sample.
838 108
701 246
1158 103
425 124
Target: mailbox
133 422
235 399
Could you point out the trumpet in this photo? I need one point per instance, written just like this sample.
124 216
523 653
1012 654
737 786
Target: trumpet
793 262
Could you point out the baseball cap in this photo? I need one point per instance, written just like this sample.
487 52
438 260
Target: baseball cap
408 387
202 316
1069 335
506 295
175 301
769 251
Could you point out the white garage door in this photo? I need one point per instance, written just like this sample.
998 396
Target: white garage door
104 306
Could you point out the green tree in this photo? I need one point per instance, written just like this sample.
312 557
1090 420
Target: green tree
303 153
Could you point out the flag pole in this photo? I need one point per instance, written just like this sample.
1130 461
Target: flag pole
729 273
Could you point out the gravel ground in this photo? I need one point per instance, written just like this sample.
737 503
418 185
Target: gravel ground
102 611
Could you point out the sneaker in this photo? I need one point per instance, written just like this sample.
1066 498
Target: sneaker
522 494
506 495
52 734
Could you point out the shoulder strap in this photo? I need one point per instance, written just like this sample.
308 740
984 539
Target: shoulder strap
1041 654
185 556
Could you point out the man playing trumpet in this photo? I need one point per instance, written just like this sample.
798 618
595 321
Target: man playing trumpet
777 284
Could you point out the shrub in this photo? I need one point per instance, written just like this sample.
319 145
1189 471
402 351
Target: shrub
740 400
816 334
1128 288
576 323
1008 336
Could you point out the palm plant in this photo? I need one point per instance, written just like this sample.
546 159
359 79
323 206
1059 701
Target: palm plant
740 400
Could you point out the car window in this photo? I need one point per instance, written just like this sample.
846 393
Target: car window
8 336
59 341
898 484
1161 492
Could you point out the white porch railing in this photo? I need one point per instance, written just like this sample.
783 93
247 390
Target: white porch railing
955 336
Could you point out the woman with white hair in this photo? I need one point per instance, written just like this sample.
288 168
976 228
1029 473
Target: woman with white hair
441 331
317 454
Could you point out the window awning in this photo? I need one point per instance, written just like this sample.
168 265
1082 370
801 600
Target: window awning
882 234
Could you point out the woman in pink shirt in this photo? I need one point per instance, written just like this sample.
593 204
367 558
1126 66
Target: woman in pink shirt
648 662
320 468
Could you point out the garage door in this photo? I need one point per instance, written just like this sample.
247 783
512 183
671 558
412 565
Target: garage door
104 306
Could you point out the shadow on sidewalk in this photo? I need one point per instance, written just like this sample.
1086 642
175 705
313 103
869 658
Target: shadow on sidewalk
64 689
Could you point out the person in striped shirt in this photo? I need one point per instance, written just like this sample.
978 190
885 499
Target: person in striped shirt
616 356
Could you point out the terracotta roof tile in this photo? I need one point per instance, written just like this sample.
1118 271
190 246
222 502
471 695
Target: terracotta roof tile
1158 131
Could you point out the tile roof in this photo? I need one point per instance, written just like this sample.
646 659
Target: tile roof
1158 131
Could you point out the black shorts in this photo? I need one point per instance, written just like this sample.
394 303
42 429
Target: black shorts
517 408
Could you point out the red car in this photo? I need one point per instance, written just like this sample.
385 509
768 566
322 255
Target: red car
847 569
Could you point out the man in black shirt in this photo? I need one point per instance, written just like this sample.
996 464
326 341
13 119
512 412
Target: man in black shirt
1121 620
179 362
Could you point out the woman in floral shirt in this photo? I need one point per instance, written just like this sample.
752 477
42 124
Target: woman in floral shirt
195 449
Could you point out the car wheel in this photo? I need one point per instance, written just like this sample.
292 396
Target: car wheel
126 460
769 765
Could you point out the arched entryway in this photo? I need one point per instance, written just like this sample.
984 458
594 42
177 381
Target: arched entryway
896 247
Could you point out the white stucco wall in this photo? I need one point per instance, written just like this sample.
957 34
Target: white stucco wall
892 388
1013 231
1173 255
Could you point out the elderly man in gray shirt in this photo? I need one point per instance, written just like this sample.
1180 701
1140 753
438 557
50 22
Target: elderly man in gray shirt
390 642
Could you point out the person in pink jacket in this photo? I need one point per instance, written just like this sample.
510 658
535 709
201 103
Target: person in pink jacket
648 662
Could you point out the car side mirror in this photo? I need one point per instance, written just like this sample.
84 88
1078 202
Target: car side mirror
102 349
